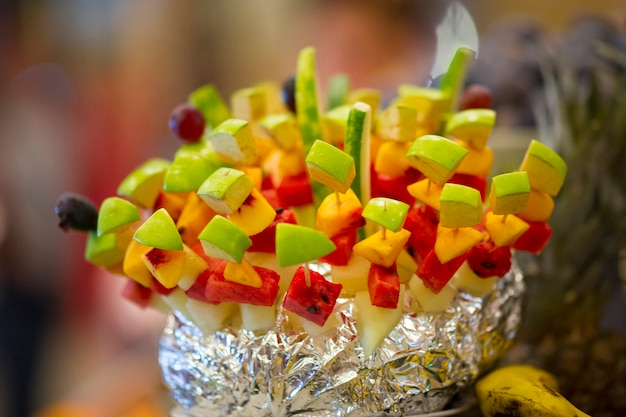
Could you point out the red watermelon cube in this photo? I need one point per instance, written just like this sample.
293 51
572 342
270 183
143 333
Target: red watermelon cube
313 302
436 275
384 286
344 243
218 289
535 238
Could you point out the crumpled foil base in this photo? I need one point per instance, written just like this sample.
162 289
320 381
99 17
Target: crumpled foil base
425 361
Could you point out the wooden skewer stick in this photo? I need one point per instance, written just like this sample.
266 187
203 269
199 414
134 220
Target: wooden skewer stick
307 274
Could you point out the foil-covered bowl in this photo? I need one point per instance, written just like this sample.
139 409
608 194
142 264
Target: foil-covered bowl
418 369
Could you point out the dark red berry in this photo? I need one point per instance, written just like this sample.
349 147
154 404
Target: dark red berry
476 96
187 123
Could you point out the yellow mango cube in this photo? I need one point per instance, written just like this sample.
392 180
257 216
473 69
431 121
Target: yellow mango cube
134 266
382 249
254 215
243 273
504 229
391 160
454 242
338 213
166 265
539 207
427 192
477 161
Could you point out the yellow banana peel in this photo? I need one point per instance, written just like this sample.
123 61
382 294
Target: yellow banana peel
522 391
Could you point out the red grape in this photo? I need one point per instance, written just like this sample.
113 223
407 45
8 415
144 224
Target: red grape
476 96
187 123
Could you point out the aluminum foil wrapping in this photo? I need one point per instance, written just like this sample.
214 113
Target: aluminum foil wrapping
423 363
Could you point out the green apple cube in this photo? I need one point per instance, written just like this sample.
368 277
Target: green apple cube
357 145
307 106
283 130
509 192
387 212
225 190
234 142
436 157
397 123
335 122
143 185
116 212
223 239
208 100
249 103
338 90
297 244
546 169
103 251
159 231
330 166
460 206
187 172
472 126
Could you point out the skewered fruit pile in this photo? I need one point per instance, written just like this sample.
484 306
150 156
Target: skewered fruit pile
393 200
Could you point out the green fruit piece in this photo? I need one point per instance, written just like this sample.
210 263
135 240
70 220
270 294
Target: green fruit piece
546 169
335 123
460 206
297 244
273 97
331 166
225 190
159 231
429 103
143 185
369 96
116 212
436 157
509 193
357 145
104 251
454 79
386 212
283 130
208 100
187 172
472 126
308 113
249 103
397 123
223 239
338 89
234 142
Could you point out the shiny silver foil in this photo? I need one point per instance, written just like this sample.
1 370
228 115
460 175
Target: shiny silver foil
425 361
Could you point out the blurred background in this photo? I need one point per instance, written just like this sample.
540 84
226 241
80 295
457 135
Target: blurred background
86 88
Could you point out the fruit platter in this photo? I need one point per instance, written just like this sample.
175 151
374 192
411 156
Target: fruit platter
331 255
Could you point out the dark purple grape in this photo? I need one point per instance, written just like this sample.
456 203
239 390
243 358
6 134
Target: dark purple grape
288 93
76 212
187 123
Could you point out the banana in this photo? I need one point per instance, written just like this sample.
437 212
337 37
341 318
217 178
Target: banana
520 391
